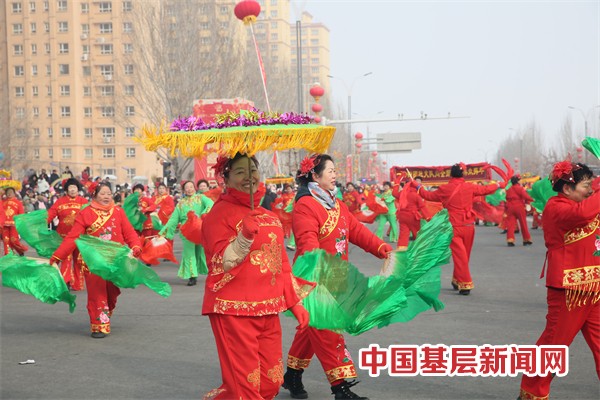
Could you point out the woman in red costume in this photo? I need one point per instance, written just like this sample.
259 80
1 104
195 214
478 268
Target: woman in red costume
321 221
279 206
147 206
164 203
457 196
66 209
411 209
10 236
516 199
249 283
106 221
352 198
571 232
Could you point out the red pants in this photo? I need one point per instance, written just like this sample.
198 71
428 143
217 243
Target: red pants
250 356
461 245
514 214
10 237
409 223
562 326
330 348
102 300
71 270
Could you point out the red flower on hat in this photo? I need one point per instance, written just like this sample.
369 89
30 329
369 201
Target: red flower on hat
308 164
564 170
221 165
463 166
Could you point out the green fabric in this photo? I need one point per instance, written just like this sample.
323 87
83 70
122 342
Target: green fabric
381 221
33 228
112 262
289 208
541 191
156 223
496 198
390 202
593 145
36 278
131 207
345 299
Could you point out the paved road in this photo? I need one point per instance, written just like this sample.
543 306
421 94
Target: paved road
163 348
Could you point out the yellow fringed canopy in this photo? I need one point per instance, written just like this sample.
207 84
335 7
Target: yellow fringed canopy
10 183
279 180
247 140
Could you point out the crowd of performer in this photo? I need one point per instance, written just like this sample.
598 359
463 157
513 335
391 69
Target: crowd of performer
250 223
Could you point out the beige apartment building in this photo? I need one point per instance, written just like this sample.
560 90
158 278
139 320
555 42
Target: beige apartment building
68 81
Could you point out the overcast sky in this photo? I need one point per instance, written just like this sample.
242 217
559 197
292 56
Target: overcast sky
503 63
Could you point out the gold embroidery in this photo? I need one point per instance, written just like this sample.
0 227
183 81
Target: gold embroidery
581 284
263 220
276 373
343 372
463 285
254 378
268 258
213 393
69 220
254 308
103 217
69 206
298 363
222 282
583 232
217 264
104 328
525 395
301 290
333 217
581 276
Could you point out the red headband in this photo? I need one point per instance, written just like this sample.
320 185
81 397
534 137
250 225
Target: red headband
564 171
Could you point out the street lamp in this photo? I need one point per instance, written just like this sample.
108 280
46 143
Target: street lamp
585 121
349 90
520 136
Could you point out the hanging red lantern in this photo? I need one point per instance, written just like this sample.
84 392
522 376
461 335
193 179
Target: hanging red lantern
317 91
516 160
374 154
384 163
358 145
317 119
579 153
247 11
358 136
317 108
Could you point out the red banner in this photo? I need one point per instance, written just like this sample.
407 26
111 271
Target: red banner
438 175
349 168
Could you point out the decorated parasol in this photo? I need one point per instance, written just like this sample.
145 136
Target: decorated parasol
7 182
279 180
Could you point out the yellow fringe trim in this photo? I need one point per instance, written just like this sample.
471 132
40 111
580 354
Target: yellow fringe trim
9 183
279 181
230 141
579 296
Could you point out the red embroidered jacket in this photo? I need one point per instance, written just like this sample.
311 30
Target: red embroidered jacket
66 209
111 224
315 227
572 235
409 202
517 197
12 207
166 206
262 283
353 200
457 197
147 206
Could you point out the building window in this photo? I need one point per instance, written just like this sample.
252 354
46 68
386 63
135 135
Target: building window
88 153
47 27
19 91
107 90
128 68
129 90
130 152
66 153
106 27
63 26
17 8
128 48
63 69
49 88
129 131
108 152
62 5
65 132
127 6
314 70
47 48
85 29
85 8
87 112
33 27
32 6
33 48
273 13
204 26
20 133
130 173
107 70
36 112
20 112
18 49
109 171
108 111
129 111
17 29
19 70
51 153
105 7
274 47
87 133
36 132
85 49
63 48
224 10
65 111
86 70
21 154
50 133
106 49
274 36
127 27
65 90
36 154
314 60
34 91
108 132
87 91
34 70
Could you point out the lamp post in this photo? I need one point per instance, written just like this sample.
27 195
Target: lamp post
520 136
349 90
585 121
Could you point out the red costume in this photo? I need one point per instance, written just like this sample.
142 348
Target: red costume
10 236
279 206
147 206
353 201
457 197
108 223
316 227
571 231
516 198
165 205
410 210
243 303
66 209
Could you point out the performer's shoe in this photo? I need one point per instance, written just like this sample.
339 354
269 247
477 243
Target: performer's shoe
534 227
342 391
454 286
192 282
510 244
289 247
292 381
98 335
503 232
464 292
527 243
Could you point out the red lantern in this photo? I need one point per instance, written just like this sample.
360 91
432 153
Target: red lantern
317 119
580 153
247 11
317 91
374 154
358 145
317 108
358 136
384 163
516 160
